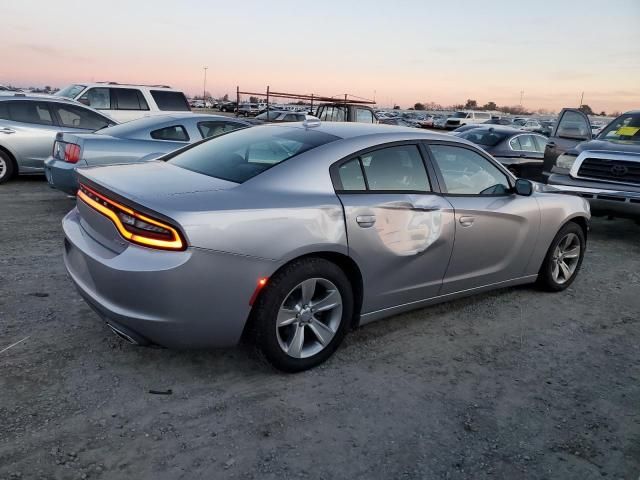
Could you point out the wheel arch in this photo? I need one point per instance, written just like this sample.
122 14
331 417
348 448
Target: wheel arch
345 263
12 158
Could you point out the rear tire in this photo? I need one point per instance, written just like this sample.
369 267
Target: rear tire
564 259
7 167
303 314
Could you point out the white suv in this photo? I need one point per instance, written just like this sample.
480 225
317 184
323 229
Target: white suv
127 102
459 119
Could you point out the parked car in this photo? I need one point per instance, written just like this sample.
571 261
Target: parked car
400 122
439 121
125 102
427 121
497 121
520 152
168 252
228 106
531 125
28 127
248 110
135 141
281 116
604 169
341 112
459 119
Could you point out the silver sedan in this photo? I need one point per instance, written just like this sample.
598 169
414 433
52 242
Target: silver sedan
135 141
293 234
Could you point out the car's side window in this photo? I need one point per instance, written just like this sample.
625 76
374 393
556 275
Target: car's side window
466 172
4 110
30 112
396 168
213 129
363 115
514 143
77 117
129 99
98 98
175 133
290 117
351 176
541 143
524 142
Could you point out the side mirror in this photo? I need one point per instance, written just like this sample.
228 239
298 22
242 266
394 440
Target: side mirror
523 187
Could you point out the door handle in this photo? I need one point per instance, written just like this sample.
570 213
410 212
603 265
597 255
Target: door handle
550 145
7 130
366 221
466 221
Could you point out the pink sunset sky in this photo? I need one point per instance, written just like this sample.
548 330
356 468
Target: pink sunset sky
402 51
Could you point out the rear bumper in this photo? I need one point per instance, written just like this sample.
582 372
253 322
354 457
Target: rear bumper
61 175
191 299
603 197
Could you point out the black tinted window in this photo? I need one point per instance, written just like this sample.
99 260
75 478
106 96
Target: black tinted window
129 99
175 133
241 155
213 129
171 101
4 110
78 117
351 176
396 168
30 112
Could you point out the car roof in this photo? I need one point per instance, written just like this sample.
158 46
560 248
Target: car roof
346 130
503 129
39 98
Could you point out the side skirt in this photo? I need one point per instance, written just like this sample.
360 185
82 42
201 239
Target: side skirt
387 312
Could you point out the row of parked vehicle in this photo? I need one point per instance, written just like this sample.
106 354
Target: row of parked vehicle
85 125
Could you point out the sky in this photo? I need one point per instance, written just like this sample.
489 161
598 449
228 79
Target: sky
400 51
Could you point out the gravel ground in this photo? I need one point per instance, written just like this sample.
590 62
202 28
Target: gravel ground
511 384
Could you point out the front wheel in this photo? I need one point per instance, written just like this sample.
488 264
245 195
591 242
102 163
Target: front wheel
563 259
303 314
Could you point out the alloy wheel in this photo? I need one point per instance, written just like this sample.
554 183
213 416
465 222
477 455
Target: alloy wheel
3 168
566 257
309 318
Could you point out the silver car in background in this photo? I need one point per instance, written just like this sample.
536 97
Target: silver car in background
28 128
292 234
135 141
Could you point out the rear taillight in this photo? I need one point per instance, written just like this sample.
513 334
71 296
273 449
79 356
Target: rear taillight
68 152
132 225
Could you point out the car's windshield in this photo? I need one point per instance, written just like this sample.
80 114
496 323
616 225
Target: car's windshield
484 136
625 127
243 154
459 115
71 91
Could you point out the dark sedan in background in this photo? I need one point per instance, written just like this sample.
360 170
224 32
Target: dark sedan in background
135 141
521 152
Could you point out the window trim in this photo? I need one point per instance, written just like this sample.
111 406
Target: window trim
184 129
337 182
495 163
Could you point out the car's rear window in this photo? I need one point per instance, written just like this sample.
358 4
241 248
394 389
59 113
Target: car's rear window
170 101
243 154
486 137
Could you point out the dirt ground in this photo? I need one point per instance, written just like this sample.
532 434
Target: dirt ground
515 384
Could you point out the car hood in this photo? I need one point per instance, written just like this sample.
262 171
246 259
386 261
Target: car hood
607 145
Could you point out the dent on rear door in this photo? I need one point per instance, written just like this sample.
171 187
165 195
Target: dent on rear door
402 243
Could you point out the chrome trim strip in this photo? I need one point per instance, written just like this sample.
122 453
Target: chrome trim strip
594 191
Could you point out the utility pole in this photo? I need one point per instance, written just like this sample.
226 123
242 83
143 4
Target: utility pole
581 99
521 95
204 86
